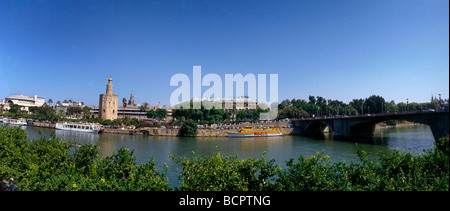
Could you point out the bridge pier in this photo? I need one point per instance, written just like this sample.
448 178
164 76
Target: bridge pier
439 127
345 128
340 128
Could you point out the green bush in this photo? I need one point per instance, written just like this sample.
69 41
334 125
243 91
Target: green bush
442 145
188 129
311 174
391 172
56 164
218 173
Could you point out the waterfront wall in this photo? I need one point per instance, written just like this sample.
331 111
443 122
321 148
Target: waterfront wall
174 132
43 124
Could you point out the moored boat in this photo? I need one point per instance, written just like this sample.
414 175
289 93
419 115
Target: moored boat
256 132
18 121
80 126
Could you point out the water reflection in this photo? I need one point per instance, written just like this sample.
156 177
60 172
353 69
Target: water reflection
74 135
408 138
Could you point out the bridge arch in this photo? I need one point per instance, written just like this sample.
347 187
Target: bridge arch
315 127
368 128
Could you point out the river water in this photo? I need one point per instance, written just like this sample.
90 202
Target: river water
405 138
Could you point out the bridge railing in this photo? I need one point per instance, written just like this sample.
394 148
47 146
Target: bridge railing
365 115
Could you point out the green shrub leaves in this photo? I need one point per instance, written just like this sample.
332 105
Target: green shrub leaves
57 164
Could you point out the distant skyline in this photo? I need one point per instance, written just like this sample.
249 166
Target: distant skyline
340 50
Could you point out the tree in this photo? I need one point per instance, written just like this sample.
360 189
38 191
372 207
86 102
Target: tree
107 122
86 112
74 110
14 108
284 104
134 121
241 115
151 114
321 101
374 103
161 113
391 107
126 121
50 101
312 99
358 104
144 106
116 122
124 102
292 112
401 107
189 129
349 110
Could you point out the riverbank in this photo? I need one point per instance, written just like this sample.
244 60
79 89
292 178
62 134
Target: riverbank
399 124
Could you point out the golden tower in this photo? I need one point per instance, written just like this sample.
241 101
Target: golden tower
108 103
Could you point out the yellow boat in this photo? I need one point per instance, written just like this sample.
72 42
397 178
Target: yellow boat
256 132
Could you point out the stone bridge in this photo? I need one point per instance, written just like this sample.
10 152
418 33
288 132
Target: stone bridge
364 125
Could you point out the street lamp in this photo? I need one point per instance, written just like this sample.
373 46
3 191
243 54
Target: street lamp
440 102
407 105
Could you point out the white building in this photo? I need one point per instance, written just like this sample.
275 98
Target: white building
240 103
62 108
25 101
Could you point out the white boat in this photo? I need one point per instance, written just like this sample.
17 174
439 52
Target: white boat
256 132
19 121
79 126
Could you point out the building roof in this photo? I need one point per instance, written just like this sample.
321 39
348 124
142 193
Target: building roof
23 97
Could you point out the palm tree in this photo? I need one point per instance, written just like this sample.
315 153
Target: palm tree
145 104
86 112
124 102
50 101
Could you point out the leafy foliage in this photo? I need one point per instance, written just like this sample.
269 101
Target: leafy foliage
57 164
189 129
218 173
391 172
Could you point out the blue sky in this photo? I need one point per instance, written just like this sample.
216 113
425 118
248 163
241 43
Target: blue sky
336 49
